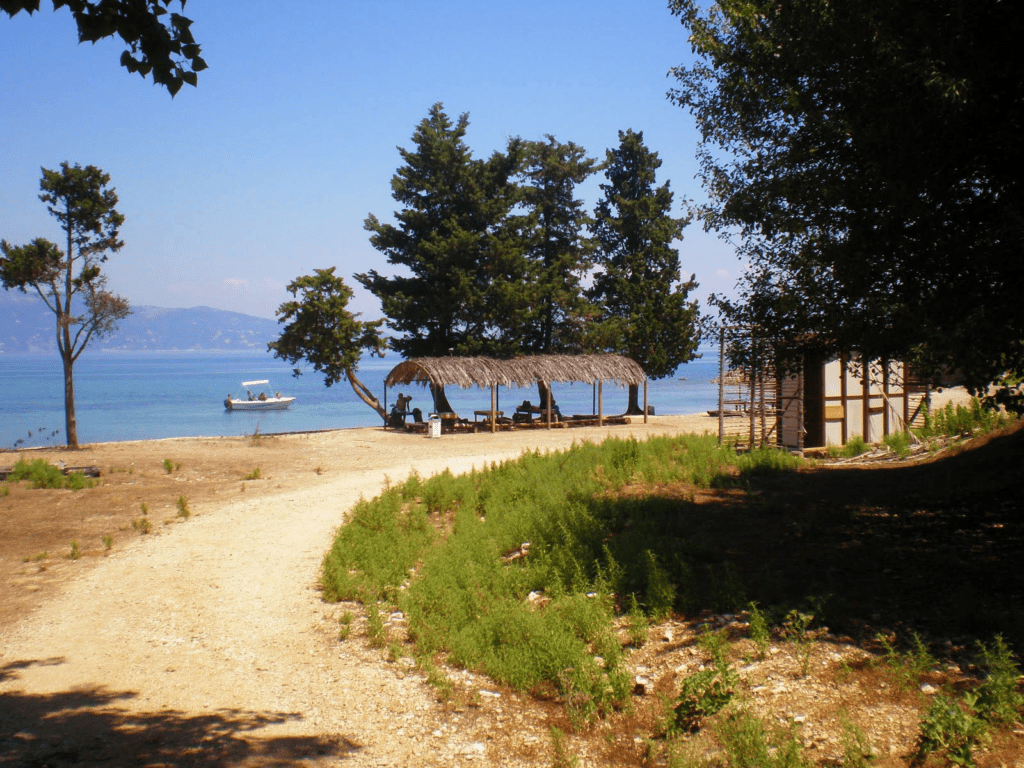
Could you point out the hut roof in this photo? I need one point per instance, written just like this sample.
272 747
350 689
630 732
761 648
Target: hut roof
518 371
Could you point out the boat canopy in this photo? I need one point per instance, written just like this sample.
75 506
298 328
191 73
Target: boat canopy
251 383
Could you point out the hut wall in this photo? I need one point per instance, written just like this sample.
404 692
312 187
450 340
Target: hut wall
841 400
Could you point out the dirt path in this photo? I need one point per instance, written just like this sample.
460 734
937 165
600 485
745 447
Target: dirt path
209 644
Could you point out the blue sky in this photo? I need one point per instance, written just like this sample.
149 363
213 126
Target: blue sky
268 169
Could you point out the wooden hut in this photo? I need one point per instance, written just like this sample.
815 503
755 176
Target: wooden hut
830 403
488 372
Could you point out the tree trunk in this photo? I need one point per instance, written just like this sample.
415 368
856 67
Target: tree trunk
441 404
70 423
634 408
364 394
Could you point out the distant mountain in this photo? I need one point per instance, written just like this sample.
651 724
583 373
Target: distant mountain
26 325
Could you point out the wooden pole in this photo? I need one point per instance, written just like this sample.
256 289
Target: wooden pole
600 403
494 409
645 401
721 384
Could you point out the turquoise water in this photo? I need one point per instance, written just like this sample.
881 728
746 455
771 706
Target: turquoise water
146 395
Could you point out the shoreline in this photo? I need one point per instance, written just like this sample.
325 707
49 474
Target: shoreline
664 420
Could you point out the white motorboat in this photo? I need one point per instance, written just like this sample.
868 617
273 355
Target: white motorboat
257 402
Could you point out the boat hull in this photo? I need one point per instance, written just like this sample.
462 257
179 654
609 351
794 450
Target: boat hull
270 404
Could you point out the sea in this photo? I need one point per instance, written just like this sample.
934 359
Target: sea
148 395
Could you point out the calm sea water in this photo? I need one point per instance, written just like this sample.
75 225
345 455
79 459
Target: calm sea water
145 395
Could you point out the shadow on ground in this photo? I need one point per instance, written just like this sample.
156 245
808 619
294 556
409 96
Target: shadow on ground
85 727
935 548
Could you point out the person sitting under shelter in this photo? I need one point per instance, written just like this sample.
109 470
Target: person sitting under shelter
402 404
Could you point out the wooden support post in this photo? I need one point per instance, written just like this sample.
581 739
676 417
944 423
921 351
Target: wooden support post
645 401
721 384
600 403
494 409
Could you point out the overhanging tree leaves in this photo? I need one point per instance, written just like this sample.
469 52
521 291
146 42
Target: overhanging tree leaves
866 153
320 330
70 281
645 311
159 42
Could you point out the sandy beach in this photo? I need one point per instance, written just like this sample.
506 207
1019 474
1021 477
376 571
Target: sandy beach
205 641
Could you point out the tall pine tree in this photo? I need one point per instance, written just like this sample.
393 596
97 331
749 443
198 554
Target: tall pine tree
450 239
645 311
556 245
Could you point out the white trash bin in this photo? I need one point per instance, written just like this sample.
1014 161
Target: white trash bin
434 426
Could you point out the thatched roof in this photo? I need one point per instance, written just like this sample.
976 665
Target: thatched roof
518 371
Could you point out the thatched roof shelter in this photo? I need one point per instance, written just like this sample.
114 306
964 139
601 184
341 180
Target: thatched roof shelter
518 371
523 371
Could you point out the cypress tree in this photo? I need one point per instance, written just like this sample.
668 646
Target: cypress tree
645 311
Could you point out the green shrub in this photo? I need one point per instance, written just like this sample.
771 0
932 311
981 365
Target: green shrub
998 699
854 447
906 667
898 443
751 742
254 475
950 727
513 570
759 632
182 505
857 751
704 694
39 474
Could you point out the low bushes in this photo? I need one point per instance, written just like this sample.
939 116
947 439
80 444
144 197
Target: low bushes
521 570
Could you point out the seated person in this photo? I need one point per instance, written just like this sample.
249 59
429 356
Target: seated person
263 396
402 404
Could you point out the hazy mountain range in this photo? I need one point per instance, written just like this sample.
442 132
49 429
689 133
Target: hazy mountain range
27 325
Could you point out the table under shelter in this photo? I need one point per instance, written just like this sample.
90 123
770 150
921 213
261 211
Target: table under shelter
528 370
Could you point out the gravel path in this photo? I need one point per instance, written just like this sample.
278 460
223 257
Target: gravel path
210 645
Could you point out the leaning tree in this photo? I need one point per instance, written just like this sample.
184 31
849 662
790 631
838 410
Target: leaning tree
319 329
70 281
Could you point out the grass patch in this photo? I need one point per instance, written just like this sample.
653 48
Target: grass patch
183 511
522 570
41 474
254 475
962 421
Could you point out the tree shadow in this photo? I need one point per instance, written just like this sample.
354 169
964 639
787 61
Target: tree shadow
79 727
933 548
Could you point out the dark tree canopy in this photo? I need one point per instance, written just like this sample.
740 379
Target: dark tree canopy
454 244
868 155
645 309
557 245
319 329
159 42
70 282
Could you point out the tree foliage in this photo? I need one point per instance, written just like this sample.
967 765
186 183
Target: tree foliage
319 329
159 42
865 154
453 244
645 309
70 281
557 246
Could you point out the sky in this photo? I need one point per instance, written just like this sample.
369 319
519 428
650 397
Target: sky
269 168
